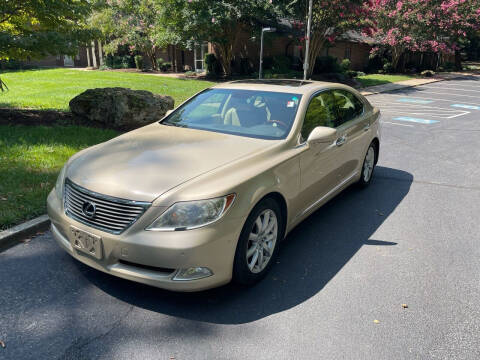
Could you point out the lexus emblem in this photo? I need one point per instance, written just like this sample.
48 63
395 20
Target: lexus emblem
89 209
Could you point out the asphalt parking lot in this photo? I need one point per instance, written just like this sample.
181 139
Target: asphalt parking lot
342 276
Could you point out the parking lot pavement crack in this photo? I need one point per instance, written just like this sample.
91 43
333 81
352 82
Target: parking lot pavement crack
74 351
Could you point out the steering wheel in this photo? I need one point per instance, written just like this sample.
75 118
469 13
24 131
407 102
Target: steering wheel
281 123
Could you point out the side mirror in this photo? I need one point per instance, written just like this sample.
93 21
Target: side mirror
168 112
322 134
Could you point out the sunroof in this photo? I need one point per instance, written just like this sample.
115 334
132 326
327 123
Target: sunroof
280 82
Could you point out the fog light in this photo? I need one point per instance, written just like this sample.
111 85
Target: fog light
193 273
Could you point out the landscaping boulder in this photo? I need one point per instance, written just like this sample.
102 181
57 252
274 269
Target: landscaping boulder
120 108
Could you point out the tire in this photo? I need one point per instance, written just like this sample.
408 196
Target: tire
368 167
243 271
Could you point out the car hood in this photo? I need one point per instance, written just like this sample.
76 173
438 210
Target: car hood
145 163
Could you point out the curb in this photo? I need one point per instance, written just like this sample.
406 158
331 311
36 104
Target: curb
394 87
12 236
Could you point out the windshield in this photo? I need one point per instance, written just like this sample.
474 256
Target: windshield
259 114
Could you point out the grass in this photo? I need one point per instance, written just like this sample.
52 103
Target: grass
380 79
32 156
52 89
30 160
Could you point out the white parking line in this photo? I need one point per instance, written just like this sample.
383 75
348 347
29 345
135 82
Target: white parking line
392 123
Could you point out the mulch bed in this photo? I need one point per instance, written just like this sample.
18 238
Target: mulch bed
42 117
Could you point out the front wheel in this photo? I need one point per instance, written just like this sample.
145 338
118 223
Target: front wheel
258 243
368 166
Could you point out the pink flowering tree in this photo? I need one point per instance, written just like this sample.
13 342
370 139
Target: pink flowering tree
330 19
437 26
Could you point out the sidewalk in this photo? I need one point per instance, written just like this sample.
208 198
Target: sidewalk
377 89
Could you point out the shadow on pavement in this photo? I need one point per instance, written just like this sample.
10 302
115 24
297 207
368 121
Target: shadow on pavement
309 258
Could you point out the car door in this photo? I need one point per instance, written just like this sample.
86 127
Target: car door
318 163
353 129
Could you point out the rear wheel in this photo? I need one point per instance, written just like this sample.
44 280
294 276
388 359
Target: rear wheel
368 166
258 242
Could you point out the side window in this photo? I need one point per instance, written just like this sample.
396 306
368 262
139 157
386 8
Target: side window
320 112
348 106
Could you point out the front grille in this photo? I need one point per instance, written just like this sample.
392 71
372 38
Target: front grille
110 214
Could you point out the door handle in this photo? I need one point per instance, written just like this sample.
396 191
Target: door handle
341 140
367 127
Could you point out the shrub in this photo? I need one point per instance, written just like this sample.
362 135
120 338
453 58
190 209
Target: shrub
104 67
213 65
351 74
388 67
345 65
374 64
109 61
360 73
428 73
281 64
11 64
128 62
449 66
326 64
245 68
163 66
190 74
139 62
120 62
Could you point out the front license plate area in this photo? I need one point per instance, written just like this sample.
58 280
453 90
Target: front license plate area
85 242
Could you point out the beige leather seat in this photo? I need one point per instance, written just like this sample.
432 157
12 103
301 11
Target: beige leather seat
243 114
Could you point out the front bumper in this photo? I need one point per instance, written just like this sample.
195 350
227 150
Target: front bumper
151 257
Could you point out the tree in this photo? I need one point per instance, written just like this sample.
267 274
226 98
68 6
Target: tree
439 26
219 22
330 19
37 28
129 22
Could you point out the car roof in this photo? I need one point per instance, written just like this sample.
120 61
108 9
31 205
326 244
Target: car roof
279 85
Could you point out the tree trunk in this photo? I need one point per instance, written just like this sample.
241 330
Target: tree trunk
226 56
458 60
317 41
175 68
89 64
151 54
229 37
94 56
397 52
100 52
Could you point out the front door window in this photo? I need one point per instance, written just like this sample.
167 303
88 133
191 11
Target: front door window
199 52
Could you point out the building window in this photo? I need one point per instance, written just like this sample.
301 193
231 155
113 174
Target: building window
199 52
348 52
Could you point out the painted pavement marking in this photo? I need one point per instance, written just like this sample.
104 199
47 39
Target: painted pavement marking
416 120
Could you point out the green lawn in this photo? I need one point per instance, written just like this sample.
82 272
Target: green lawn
32 156
30 160
380 79
54 88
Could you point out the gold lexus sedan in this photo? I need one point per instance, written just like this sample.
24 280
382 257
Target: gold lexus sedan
206 194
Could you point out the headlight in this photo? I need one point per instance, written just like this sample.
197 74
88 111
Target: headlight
192 214
59 183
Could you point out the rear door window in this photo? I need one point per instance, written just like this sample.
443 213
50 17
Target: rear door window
348 106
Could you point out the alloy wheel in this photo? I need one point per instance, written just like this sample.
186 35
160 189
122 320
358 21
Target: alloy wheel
369 164
261 241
